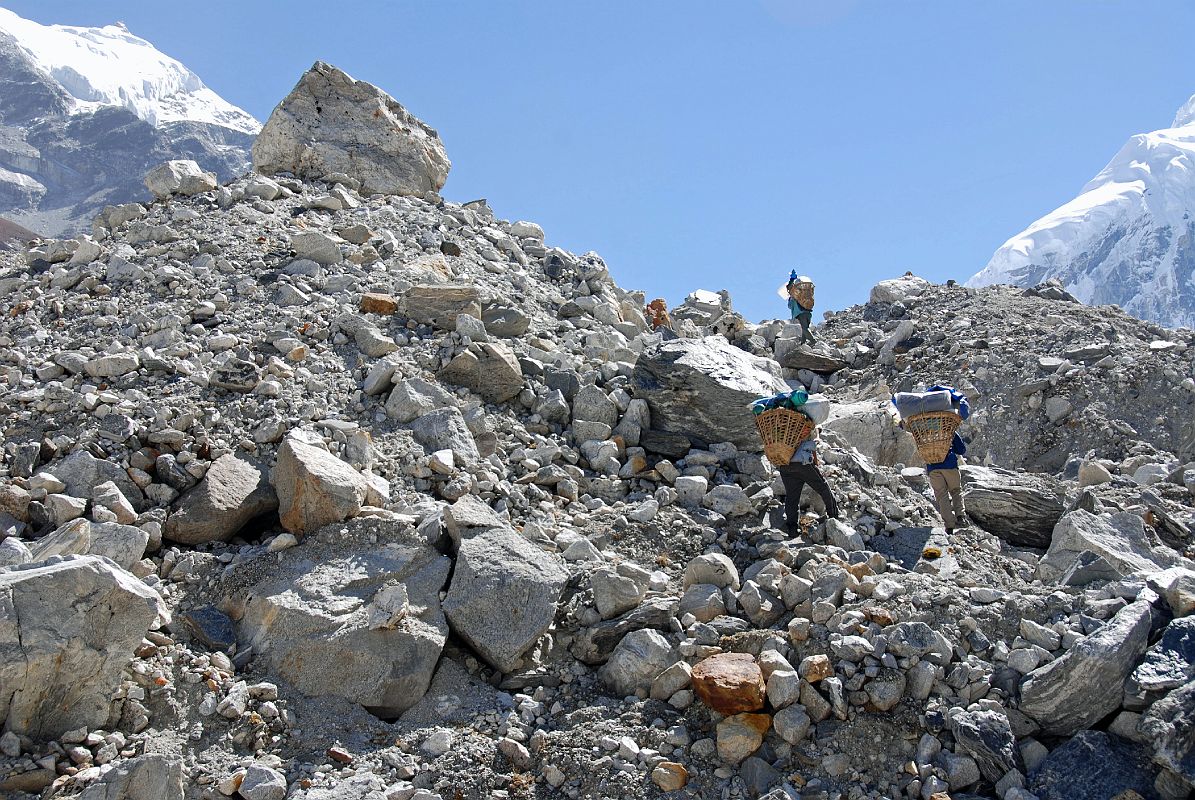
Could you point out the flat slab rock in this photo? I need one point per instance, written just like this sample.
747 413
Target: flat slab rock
232 493
1021 509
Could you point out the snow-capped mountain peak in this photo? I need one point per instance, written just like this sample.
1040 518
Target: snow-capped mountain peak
1127 239
110 66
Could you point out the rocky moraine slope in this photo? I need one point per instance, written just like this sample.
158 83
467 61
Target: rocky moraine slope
314 485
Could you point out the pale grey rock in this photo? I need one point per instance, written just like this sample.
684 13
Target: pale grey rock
499 569
414 397
1120 539
594 405
152 776
112 365
1168 726
712 568
792 723
1093 473
263 783
868 427
615 594
636 661
469 516
728 499
124 544
233 492
13 552
314 487
331 123
899 290
505 322
690 490
309 620
183 177
443 429
700 389
67 630
489 369
316 246
1177 586
1084 685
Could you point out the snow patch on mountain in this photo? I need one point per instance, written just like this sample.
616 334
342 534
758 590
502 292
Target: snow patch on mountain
1127 239
110 66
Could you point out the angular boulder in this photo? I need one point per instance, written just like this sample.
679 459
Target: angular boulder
730 683
1095 764
315 488
869 428
233 492
152 776
470 516
819 358
1120 539
700 389
331 123
503 595
179 177
124 544
489 369
445 429
1169 662
988 737
68 629
636 661
1020 508
898 290
414 397
1169 726
310 620
1086 683
82 473
439 306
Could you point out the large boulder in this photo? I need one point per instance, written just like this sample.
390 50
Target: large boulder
730 683
1020 508
315 488
68 628
179 177
700 389
439 305
898 290
489 369
1086 683
503 595
124 544
987 736
331 123
152 776
232 493
328 623
869 428
1095 764
1121 540
1170 661
818 358
413 397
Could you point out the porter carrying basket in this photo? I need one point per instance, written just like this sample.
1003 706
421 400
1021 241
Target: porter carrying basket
933 432
782 431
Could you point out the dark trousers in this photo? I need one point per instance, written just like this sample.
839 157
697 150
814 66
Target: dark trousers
795 476
806 319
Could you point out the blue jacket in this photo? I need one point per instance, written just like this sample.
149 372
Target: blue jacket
957 448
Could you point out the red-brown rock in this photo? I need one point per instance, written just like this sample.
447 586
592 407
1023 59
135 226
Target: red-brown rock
730 683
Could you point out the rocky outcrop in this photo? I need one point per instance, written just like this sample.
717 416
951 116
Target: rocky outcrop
311 622
332 124
1019 508
67 630
700 389
232 493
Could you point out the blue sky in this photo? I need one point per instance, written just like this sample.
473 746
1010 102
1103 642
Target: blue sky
719 144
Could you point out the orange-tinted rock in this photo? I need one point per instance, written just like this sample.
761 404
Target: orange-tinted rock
376 303
670 776
741 735
815 668
730 683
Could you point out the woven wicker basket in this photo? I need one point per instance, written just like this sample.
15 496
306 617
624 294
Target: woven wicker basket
933 433
782 431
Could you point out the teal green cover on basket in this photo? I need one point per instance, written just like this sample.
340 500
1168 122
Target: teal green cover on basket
794 400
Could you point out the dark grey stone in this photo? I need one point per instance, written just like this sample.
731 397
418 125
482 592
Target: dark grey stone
1094 766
